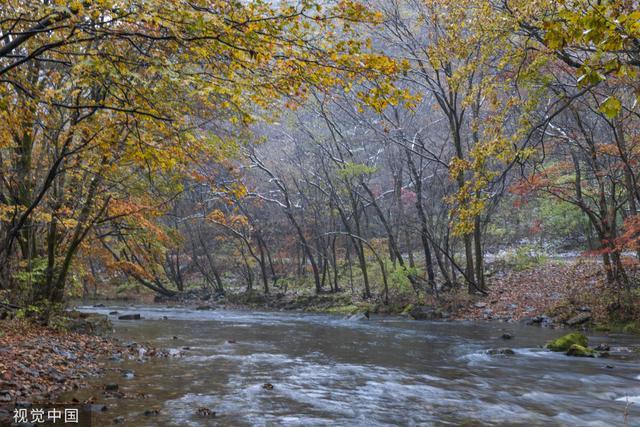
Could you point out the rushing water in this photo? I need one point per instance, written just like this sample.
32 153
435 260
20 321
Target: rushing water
330 371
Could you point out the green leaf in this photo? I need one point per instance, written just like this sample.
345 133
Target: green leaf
611 107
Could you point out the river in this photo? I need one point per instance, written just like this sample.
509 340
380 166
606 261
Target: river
326 370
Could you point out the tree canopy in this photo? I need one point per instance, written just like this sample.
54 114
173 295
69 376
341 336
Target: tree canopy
381 144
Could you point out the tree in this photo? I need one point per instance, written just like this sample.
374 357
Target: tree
98 95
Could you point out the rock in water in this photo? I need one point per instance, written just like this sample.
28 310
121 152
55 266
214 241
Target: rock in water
87 323
129 317
577 350
94 407
501 352
506 336
205 412
128 374
425 313
545 321
579 319
359 316
565 342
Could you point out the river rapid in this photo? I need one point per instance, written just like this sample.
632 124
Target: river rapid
326 370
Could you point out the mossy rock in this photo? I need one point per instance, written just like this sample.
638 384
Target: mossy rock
407 309
343 309
578 350
424 312
565 342
602 327
632 328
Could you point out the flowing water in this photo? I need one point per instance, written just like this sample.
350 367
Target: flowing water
329 371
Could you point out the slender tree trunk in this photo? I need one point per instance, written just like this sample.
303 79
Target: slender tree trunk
477 237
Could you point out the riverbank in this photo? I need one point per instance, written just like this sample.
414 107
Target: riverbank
38 363
556 294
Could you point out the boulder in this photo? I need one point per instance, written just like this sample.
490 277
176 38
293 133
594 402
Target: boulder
579 319
129 317
425 313
506 336
87 323
359 316
565 342
545 321
578 350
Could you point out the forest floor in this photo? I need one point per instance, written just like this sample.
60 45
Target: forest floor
557 290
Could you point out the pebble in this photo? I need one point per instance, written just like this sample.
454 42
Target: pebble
128 374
